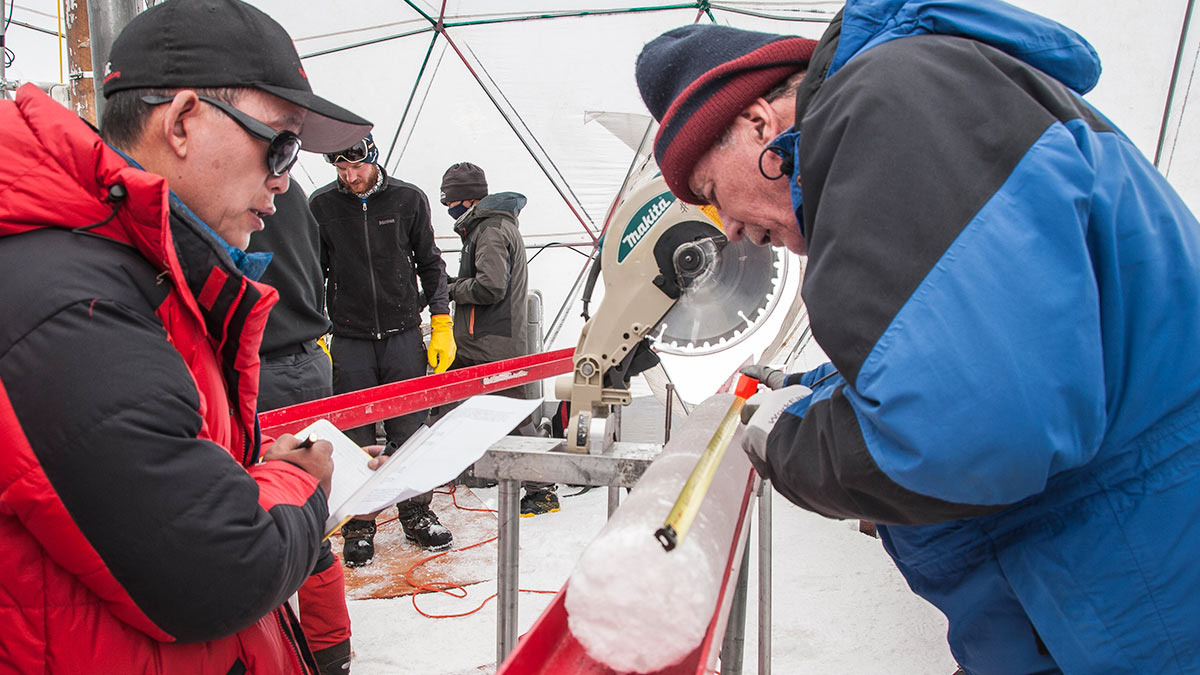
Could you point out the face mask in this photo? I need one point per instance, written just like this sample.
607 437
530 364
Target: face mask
457 210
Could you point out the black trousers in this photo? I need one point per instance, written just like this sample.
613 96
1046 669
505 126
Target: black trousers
359 364
298 375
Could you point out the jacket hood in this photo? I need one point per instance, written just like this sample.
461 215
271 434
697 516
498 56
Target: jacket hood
52 163
497 204
512 202
1044 44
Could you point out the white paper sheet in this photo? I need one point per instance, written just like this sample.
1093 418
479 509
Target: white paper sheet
432 456
455 442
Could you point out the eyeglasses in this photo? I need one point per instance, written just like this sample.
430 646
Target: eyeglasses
353 154
283 147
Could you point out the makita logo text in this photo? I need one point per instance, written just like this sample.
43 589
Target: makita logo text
648 221
641 222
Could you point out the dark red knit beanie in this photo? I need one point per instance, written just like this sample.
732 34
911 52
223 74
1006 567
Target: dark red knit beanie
697 79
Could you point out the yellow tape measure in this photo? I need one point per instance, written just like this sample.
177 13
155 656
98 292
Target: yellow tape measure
687 505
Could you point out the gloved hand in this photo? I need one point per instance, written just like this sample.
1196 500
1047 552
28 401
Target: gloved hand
759 414
773 378
441 343
323 342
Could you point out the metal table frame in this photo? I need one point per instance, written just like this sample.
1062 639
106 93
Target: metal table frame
515 459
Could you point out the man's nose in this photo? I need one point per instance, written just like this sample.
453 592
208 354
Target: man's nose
279 184
734 229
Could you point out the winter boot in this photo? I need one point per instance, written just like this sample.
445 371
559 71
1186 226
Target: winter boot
333 660
421 525
359 548
538 501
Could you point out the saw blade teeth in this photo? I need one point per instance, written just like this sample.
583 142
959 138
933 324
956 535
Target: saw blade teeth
715 317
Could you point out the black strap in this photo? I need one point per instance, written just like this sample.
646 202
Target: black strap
238 668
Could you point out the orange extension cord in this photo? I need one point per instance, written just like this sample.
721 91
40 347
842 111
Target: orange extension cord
446 588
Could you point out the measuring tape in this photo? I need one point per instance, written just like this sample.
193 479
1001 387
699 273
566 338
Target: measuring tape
687 505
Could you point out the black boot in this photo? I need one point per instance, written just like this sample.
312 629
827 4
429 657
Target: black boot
538 501
421 525
359 548
333 660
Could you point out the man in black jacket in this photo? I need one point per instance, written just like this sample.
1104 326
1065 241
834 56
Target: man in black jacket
376 241
293 368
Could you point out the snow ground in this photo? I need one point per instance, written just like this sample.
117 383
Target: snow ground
840 606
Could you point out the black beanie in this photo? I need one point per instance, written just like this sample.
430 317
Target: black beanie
697 79
463 181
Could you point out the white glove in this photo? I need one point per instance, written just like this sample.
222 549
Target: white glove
760 413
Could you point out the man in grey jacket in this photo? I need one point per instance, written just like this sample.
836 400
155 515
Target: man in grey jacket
490 290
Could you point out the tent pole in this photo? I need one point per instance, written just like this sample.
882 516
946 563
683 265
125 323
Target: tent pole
407 106
3 48
106 18
1172 118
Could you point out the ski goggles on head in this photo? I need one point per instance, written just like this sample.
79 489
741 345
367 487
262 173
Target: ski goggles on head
283 147
354 154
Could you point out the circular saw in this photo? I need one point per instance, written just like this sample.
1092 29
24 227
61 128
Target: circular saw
727 300
674 283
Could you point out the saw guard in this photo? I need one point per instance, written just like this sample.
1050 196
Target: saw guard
644 280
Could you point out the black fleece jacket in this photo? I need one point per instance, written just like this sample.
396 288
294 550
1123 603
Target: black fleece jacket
291 236
372 252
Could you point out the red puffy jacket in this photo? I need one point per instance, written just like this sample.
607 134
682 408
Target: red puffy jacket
140 535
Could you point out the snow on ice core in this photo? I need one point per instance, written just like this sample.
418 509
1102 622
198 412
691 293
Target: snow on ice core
634 606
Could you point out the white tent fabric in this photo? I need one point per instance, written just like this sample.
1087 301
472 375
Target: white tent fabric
552 111
541 94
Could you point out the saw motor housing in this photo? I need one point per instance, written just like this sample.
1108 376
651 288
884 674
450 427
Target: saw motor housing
663 246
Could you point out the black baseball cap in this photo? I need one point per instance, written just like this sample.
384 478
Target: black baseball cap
225 43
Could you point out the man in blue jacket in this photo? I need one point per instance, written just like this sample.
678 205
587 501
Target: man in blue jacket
1008 292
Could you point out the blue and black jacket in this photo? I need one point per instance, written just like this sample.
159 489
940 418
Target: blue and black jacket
1010 294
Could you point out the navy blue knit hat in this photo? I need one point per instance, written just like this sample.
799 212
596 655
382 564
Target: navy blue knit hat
697 79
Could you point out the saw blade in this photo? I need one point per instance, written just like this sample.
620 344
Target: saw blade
726 303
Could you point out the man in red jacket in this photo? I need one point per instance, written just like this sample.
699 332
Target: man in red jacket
145 528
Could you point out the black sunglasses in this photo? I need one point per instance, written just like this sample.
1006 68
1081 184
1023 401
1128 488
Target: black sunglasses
283 147
353 154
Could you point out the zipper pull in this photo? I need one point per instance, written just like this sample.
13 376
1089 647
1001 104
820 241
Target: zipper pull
364 202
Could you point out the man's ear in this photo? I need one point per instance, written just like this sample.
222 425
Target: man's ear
762 121
177 121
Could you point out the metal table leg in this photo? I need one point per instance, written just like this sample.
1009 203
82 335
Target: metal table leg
509 566
614 499
764 577
734 646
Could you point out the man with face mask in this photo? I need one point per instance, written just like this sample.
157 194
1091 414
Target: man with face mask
1008 293
490 290
376 243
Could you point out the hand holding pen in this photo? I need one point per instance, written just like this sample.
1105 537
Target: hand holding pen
312 455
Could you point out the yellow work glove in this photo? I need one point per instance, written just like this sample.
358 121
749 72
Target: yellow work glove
323 343
441 342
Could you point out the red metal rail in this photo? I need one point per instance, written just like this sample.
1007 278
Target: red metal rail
367 406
